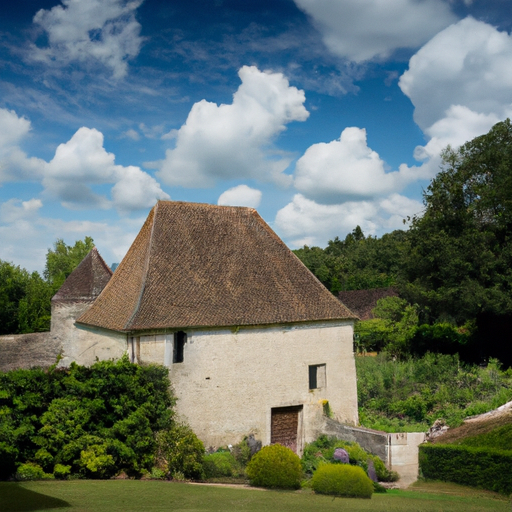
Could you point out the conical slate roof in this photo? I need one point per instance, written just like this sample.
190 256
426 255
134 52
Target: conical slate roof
86 282
199 265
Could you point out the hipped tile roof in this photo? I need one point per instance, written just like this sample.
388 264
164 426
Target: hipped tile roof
361 302
86 282
199 265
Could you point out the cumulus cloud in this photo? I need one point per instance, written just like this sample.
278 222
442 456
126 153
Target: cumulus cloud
14 163
240 196
103 31
82 162
460 83
347 169
235 141
304 221
468 64
361 30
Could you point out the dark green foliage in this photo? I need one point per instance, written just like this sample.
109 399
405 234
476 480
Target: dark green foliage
410 395
275 467
477 467
180 453
356 263
322 452
98 420
342 480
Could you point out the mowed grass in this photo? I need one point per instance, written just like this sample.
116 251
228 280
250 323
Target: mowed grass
128 495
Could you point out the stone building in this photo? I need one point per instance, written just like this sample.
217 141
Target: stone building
253 341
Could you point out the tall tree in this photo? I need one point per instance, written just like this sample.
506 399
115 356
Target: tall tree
459 265
63 259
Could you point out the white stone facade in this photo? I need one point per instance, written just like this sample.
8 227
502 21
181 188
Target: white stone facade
231 379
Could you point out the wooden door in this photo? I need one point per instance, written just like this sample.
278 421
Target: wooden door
284 428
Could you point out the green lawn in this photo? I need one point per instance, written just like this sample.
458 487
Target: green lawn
127 495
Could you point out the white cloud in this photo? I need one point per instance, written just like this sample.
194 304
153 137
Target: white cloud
14 163
15 209
234 141
27 234
104 31
83 162
460 83
135 189
468 64
242 195
304 221
347 169
130 134
361 30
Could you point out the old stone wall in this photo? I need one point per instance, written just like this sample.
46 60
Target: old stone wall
230 380
28 350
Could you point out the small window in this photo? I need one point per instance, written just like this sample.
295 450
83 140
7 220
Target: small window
316 376
180 338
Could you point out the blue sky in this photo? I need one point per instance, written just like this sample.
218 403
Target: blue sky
322 114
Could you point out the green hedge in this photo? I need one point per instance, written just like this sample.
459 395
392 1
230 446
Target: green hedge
477 467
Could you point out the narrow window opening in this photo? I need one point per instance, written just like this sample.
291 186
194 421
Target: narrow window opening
180 338
317 376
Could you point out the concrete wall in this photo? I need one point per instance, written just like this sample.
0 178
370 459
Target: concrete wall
80 344
230 380
399 451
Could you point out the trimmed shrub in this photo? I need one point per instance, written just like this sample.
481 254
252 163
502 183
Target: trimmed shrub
476 467
220 464
342 480
181 453
275 467
31 471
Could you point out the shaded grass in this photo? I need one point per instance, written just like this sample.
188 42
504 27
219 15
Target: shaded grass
128 495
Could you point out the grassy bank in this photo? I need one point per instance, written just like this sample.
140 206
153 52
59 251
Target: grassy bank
128 495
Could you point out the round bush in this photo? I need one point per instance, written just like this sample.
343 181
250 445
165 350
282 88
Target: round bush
275 467
342 480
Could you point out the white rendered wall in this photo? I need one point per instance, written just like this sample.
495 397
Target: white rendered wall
230 380
80 344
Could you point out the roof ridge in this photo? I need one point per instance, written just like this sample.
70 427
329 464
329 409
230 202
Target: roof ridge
145 271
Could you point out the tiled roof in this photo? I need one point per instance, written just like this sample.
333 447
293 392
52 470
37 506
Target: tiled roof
86 282
361 302
199 265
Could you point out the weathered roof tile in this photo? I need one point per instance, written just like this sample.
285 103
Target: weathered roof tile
200 265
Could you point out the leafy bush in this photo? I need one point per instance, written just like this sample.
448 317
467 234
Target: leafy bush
220 464
477 467
275 467
61 472
181 453
342 480
50 417
31 471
